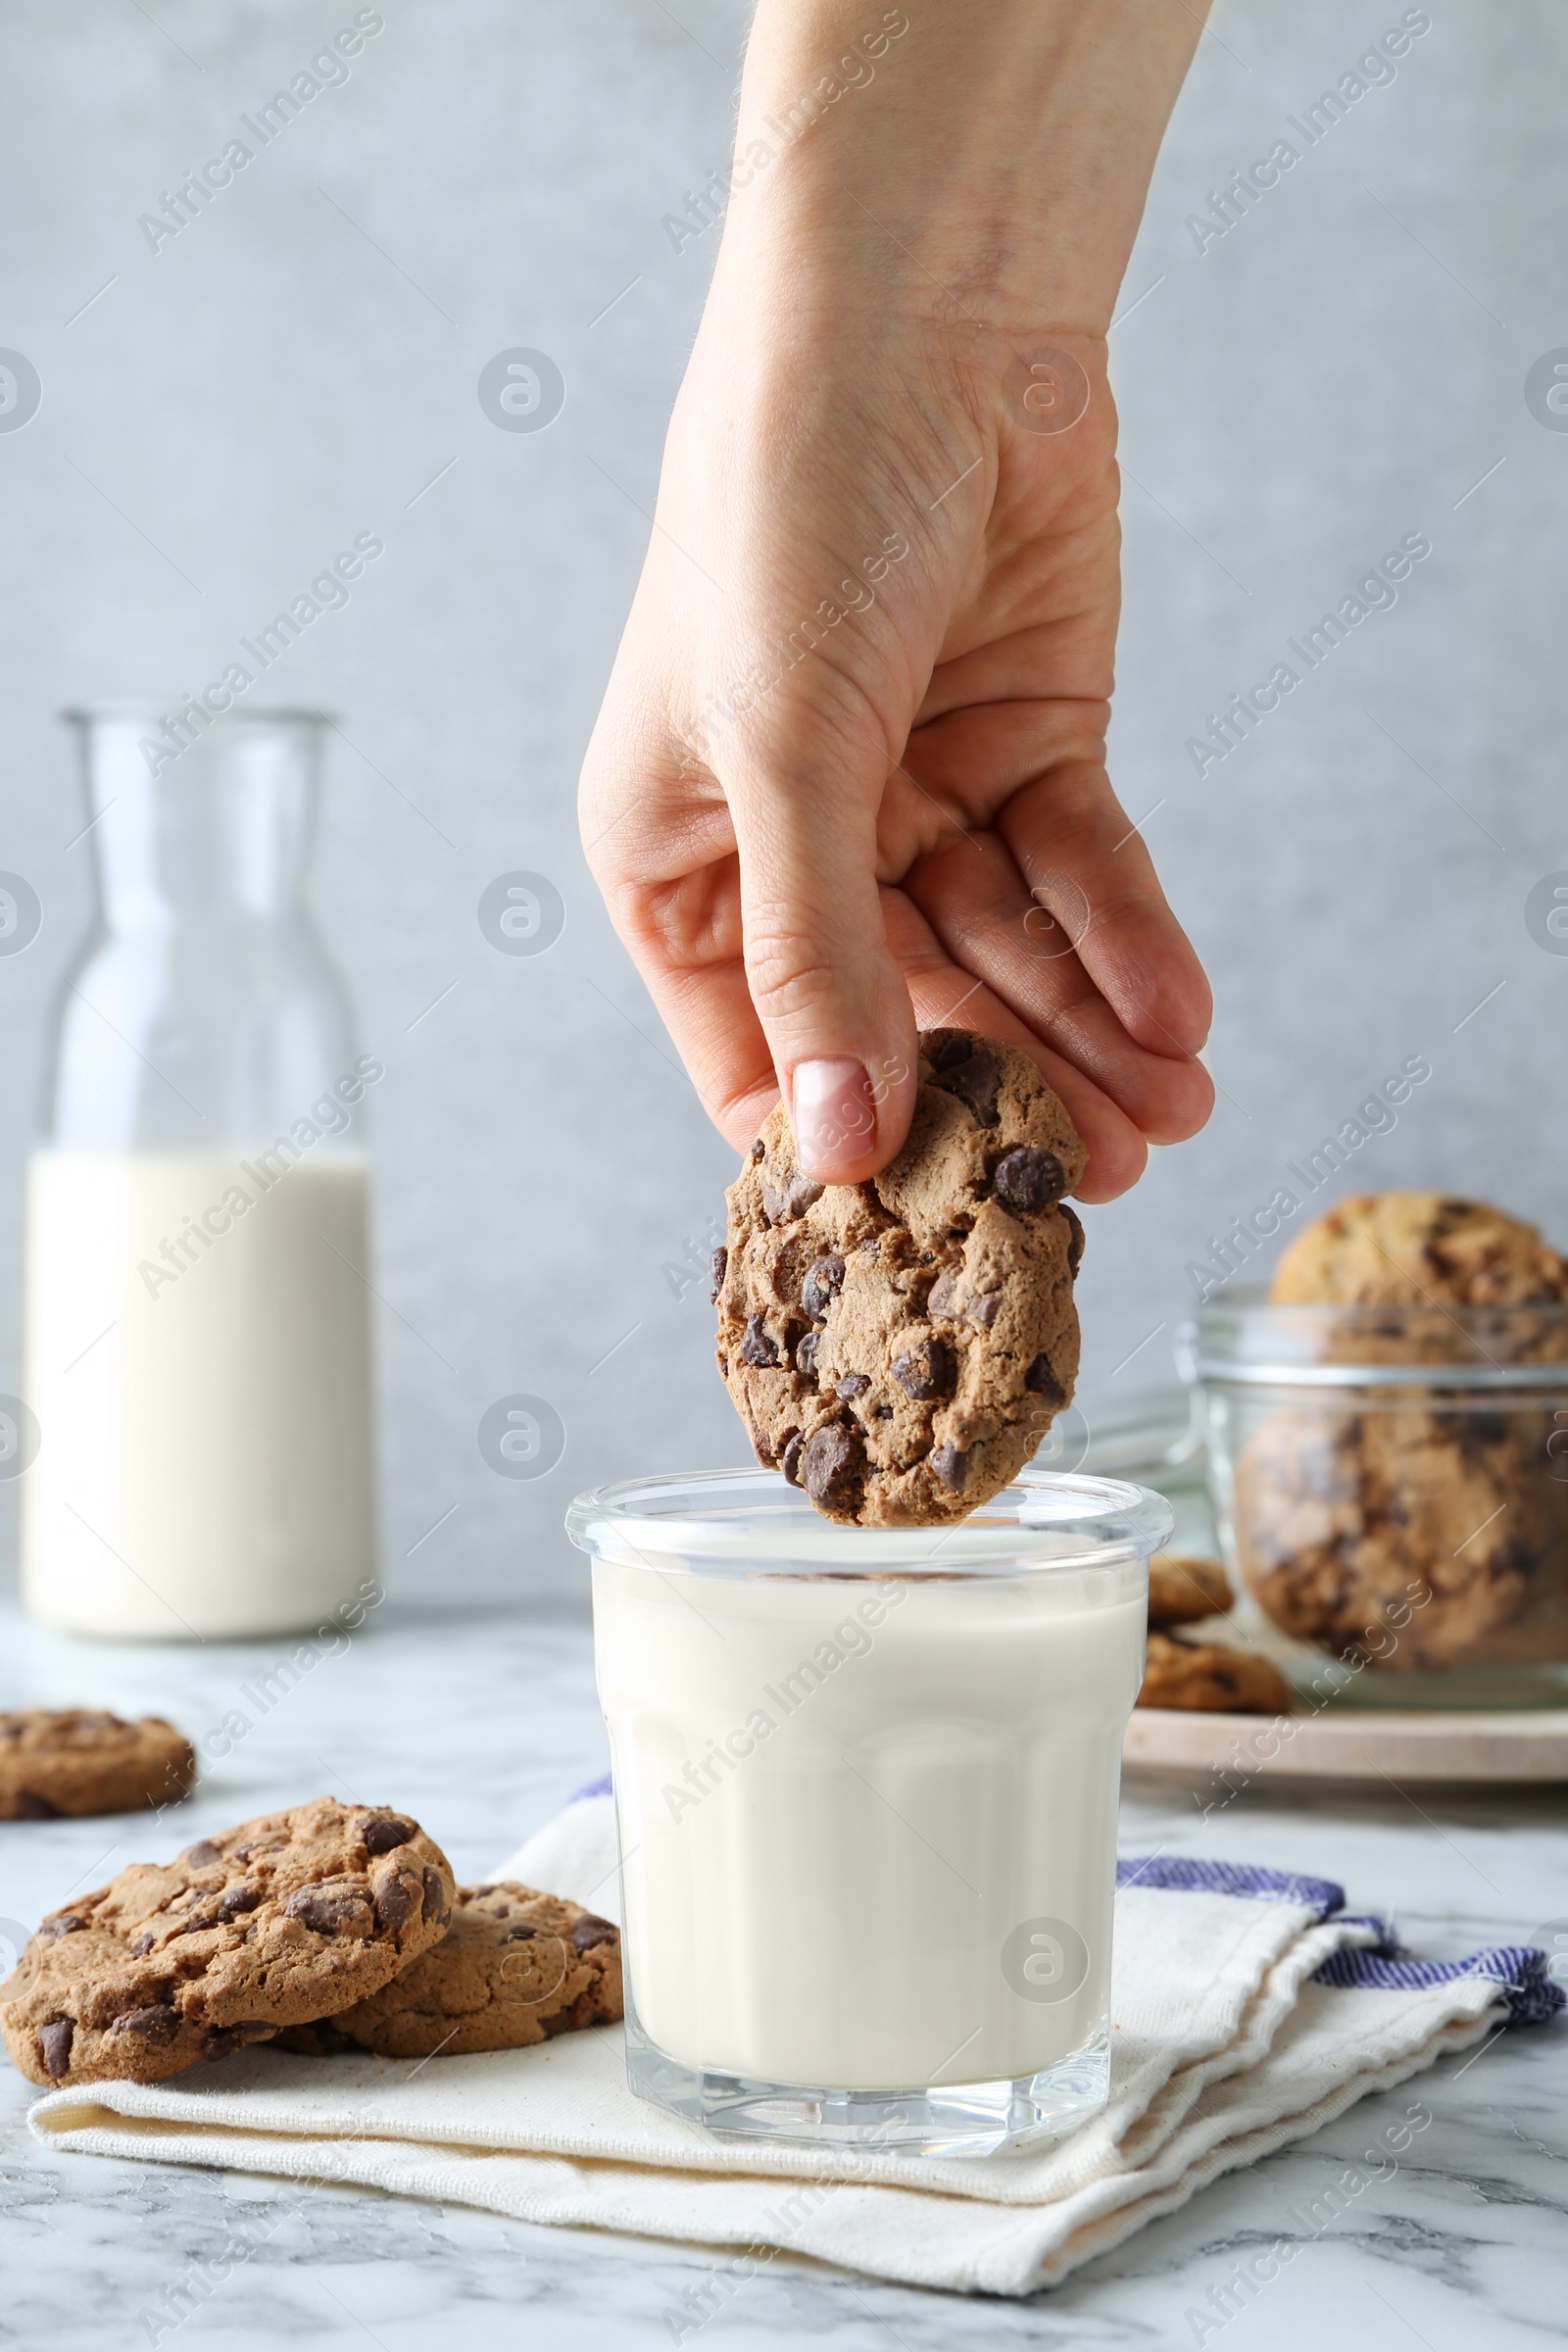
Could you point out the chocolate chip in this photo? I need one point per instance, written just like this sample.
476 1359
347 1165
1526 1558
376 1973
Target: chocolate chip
954 1048
30 1806
884 1412
868 1248
757 1347
951 1466
64 1923
436 1904
976 1079
1075 1240
718 1268
223 2041
758 1148
521 1934
474 1894
235 1899
379 1834
207 1918
54 2046
945 1292
1041 1381
983 1310
589 1931
805 1355
395 1899
789 1461
332 1910
832 1464
157 2023
143 1944
928 1370
1027 1178
823 1282
799 1195
854 1384
197 1856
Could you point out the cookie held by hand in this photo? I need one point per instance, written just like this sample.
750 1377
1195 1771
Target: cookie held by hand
280 1919
517 1967
77 1760
899 1347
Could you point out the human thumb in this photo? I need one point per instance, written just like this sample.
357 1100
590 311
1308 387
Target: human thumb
832 1001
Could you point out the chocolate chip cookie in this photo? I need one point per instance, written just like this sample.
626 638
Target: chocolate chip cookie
1183 1589
73 1760
899 1347
283 1919
517 1967
1410 1248
1419 1538
1425 1529
1207 1676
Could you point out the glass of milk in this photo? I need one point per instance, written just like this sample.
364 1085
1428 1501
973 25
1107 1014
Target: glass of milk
198 1334
866 1790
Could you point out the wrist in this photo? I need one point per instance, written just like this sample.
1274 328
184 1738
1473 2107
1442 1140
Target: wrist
995 155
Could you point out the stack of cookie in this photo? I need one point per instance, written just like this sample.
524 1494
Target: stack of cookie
324 1927
1213 1676
1424 1528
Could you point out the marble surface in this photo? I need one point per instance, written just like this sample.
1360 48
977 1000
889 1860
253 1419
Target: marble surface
482 1724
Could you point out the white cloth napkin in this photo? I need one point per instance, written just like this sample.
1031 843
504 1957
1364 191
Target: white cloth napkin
1247 2009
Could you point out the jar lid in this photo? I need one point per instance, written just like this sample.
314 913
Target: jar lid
752 1523
1256 1343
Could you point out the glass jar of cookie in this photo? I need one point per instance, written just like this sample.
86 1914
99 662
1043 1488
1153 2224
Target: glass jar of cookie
1388 1447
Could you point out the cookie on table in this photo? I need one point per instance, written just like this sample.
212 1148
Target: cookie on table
1207 1676
1413 1248
75 1760
899 1347
517 1967
282 1919
1183 1587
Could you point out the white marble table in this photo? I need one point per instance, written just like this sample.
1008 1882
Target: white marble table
482 1725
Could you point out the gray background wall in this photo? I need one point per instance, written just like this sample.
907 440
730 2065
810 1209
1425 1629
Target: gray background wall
302 360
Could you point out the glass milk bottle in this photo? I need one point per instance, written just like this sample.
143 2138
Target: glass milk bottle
197 1304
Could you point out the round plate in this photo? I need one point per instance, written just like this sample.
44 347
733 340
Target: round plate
1523 1744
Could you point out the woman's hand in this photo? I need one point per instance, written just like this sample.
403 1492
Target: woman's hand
849 779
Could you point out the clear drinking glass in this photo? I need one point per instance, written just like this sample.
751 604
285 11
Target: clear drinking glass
866 1792
1391 1485
197 1311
